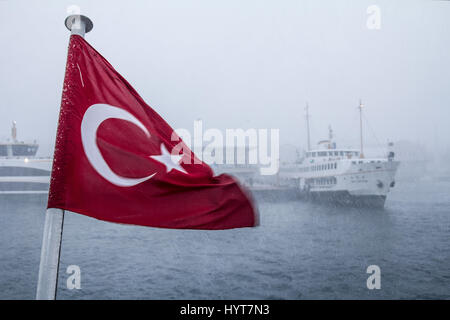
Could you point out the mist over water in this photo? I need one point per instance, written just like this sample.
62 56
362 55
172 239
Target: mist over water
300 251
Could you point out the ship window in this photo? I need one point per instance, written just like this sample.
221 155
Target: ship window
23 150
341 153
336 153
322 154
353 162
313 154
335 165
330 153
3 151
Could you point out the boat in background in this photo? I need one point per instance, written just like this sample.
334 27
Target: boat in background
345 176
20 170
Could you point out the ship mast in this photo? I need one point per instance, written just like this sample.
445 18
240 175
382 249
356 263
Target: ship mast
330 137
307 126
361 128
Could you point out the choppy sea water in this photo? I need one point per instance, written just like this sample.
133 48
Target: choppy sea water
300 251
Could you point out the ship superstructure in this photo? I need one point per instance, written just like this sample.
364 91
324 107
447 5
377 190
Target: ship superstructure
20 170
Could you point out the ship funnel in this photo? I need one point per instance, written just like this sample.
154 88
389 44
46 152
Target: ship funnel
391 153
14 131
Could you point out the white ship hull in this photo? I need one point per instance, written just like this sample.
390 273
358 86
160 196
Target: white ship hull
24 175
360 182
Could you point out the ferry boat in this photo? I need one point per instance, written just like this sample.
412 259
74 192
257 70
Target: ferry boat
346 176
20 170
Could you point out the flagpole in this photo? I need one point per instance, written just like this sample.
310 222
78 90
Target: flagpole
54 218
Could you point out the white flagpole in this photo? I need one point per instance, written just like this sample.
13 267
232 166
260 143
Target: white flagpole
54 218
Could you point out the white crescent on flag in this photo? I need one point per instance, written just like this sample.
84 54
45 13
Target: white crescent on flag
93 117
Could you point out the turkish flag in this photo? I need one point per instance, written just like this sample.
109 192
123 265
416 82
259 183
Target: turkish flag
117 160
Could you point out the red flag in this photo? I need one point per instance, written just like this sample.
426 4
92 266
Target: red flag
117 160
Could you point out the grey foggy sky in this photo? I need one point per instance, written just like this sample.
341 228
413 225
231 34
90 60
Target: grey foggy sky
247 64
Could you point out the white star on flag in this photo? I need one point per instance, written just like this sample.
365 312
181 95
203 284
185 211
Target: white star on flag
171 161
